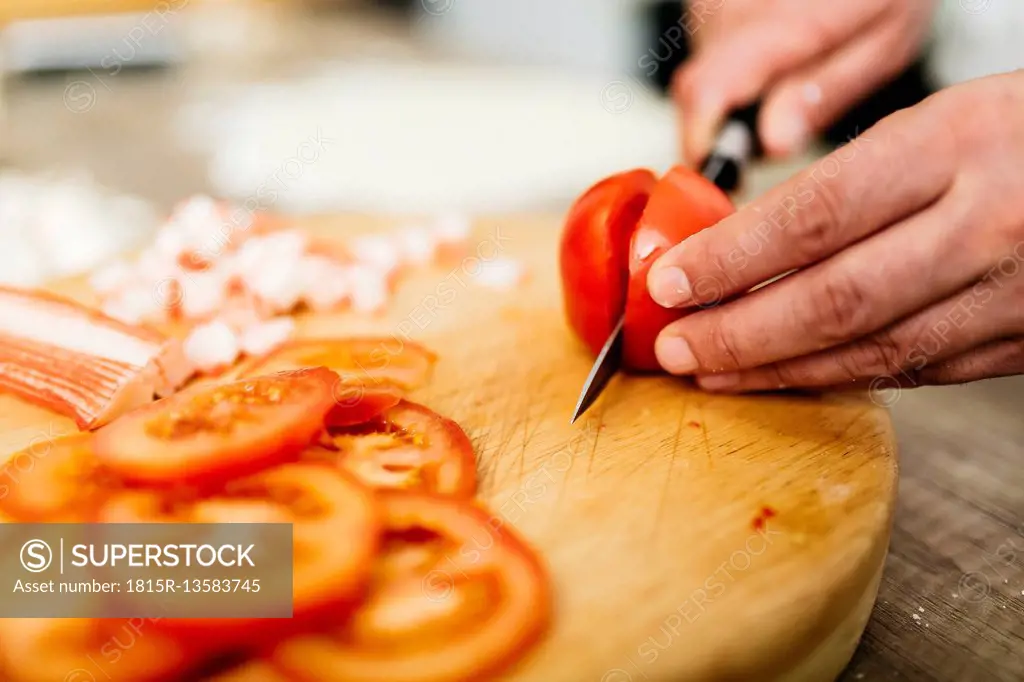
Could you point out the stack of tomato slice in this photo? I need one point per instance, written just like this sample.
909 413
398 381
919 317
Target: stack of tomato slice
398 574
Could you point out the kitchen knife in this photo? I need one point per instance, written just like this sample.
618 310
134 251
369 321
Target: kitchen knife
735 147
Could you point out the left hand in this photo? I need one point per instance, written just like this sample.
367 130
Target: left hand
909 250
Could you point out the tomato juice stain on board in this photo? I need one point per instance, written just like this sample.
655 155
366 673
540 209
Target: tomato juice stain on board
761 520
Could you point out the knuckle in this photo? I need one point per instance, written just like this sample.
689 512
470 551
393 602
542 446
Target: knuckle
709 281
812 237
724 349
786 374
877 354
838 309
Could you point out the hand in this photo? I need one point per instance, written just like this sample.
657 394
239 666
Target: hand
809 61
908 246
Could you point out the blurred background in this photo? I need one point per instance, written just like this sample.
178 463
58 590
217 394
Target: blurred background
112 111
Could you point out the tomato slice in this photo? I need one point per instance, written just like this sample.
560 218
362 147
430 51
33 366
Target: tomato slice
357 403
81 649
214 432
251 671
408 447
76 649
593 253
336 528
358 360
682 204
59 481
457 597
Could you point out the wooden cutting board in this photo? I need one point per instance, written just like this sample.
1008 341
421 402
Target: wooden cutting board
646 511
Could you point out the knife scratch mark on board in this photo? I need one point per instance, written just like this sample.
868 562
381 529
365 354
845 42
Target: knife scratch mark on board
484 465
574 447
530 431
524 423
704 437
671 468
597 435
646 459
505 418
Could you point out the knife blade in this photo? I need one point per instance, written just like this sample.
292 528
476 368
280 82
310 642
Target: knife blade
735 146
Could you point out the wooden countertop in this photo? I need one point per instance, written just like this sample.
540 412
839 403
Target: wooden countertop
951 603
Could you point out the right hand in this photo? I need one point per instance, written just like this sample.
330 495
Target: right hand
808 61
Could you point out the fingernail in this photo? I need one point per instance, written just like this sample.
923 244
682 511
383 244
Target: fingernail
719 382
675 355
787 133
669 286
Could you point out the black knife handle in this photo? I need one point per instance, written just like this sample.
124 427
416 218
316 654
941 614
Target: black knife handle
735 146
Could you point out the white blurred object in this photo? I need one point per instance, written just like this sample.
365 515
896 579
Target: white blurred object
263 337
500 273
392 137
212 346
579 34
53 227
976 38
103 43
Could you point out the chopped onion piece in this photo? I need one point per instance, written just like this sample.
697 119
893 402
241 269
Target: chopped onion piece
453 228
500 273
203 295
377 250
370 292
112 278
418 246
212 346
326 285
263 337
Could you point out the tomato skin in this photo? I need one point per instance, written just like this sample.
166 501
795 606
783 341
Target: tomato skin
273 432
356 360
682 204
62 484
612 235
336 534
593 255
468 611
432 454
46 649
359 403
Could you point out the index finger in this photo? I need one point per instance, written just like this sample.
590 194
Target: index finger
890 172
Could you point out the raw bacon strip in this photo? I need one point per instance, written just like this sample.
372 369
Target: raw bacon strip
79 362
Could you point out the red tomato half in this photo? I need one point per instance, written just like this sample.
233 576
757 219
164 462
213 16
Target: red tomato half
58 481
682 204
217 431
335 535
408 447
613 233
457 597
359 360
593 253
